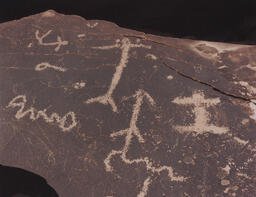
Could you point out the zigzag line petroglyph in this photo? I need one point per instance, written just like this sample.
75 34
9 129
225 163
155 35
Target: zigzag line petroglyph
129 134
45 65
201 125
21 100
125 47
59 42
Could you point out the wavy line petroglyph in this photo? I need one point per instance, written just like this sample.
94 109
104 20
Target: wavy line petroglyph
59 42
21 100
44 65
125 45
201 125
129 134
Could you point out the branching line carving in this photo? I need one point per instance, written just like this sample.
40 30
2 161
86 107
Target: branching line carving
131 133
125 45
59 41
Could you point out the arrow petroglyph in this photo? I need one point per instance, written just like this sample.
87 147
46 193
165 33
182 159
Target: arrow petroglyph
59 42
21 100
125 45
129 134
201 125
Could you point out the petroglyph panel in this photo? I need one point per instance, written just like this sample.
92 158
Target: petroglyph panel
103 111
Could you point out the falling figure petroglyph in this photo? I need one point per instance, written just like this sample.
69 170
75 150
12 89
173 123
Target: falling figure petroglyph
44 65
21 100
130 133
59 42
125 45
200 125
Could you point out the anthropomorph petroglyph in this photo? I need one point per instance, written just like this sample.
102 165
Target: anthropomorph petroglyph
201 124
125 45
134 132
58 44
45 65
21 100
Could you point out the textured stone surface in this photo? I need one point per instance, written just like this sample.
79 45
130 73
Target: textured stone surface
99 110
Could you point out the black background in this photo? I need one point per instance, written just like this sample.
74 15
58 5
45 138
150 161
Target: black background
218 20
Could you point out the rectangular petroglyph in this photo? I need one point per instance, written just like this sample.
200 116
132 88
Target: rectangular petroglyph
125 46
201 124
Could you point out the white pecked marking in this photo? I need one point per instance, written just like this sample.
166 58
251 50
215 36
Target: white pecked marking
144 189
21 100
253 108
29 45
151 56
125 47
81 35
92 25
201 125
79 85
134 132
44 65
169 77
59 42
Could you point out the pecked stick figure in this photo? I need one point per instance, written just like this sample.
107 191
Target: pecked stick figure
125 45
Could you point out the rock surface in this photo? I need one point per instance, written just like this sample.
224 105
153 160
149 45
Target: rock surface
99 110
